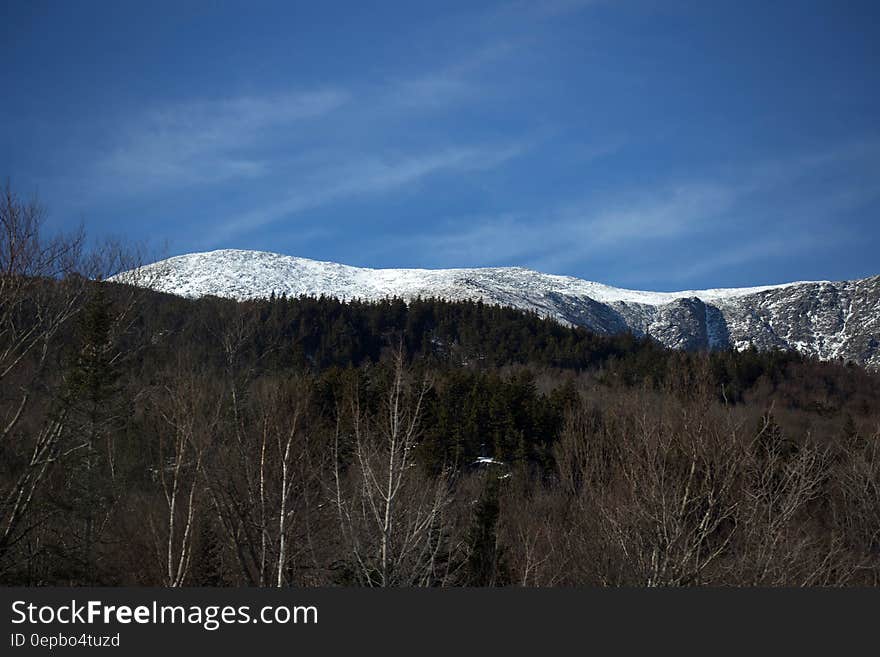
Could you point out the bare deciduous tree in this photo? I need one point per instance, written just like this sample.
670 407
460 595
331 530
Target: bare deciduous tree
37 298
391 516
191 414
775 546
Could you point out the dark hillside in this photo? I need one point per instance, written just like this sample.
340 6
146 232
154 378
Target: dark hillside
164 441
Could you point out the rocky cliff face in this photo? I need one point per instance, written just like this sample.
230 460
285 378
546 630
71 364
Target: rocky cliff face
828 320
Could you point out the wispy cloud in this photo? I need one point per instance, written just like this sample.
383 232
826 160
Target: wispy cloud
207 141
737 219
667 212
305 149
546 8
327 137
367 175
435 90
197 142
748 252
556 238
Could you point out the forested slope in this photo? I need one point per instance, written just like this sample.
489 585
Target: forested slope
164 441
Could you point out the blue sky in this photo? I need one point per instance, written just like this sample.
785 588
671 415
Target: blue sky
659 144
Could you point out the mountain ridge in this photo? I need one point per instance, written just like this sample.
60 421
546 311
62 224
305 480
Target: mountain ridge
825 319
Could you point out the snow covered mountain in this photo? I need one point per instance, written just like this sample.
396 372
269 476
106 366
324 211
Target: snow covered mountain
821 318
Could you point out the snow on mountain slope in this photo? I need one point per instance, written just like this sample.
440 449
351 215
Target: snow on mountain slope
824 319
240 274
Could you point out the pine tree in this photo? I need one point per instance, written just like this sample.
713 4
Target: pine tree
92 417
485 561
